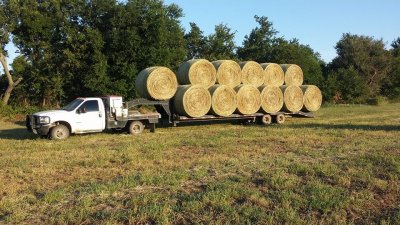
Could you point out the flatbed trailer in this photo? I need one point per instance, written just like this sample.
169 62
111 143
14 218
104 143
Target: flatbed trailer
169 116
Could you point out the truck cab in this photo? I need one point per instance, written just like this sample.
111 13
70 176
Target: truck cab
88 115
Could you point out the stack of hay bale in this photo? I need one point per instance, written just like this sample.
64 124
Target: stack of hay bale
299 97
225 87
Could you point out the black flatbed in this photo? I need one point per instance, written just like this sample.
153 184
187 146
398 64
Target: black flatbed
166 112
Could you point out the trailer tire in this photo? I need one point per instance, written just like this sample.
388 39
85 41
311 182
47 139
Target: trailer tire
266 119
280 118
59 132
135 127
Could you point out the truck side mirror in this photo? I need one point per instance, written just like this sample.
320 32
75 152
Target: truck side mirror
81 110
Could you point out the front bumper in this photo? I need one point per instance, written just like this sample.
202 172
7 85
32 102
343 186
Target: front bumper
33 125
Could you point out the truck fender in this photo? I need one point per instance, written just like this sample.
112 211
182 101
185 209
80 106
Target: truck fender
65 123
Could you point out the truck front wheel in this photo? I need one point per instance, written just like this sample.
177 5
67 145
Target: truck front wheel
59 132
136 127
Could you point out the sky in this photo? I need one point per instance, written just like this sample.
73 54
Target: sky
317 23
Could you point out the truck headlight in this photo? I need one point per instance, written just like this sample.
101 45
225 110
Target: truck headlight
44 119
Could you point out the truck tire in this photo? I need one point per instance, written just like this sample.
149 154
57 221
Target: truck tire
59 132
135 127
266 119
280 118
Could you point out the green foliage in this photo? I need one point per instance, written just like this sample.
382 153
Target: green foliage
368 57
78 48
258 44
391 84
262 45
378 100
293 52
346 85
220 44
16 112
195 42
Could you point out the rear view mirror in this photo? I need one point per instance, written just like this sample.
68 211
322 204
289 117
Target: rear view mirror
81 110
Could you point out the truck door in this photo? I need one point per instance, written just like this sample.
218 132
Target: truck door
90 118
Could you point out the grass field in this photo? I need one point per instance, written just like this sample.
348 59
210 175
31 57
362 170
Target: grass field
341 167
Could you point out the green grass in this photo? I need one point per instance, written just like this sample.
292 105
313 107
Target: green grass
341 167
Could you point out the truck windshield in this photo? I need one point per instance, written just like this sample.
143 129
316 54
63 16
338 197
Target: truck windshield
72 105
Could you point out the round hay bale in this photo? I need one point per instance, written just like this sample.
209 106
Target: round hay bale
248 99
228 72
223 100
252 73
157 83
293 74
273 74
271 99
312 99
292 98
197 72
192 100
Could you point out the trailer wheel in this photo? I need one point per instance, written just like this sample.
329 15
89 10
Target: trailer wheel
135 127
280 118
266 119
59 132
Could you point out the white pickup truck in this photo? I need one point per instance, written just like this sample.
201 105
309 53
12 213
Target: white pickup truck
87 115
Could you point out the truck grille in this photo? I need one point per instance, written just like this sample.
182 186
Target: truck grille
35 120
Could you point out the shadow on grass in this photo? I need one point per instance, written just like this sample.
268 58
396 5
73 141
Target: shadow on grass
17 134
348 126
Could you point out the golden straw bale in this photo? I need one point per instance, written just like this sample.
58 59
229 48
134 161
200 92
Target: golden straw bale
192 100
223 100
197 71
248 99
157 83
252 73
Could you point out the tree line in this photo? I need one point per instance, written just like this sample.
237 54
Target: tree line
71 48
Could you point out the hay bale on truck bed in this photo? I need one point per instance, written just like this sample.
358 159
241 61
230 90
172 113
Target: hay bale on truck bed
197 72
248 99
223 100
293 74
271 99
312 99
252 73
158 83
228 72
273 74
292 98
192 100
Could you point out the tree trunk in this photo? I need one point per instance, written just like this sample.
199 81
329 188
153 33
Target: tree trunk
11 83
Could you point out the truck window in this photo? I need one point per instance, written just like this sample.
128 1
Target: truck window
72 105
91 106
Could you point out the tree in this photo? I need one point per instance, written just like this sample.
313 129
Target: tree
346 85
5 28
263 45
292 52
258 44
391 85
368 57
84 48
220 44
195 42
24 91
